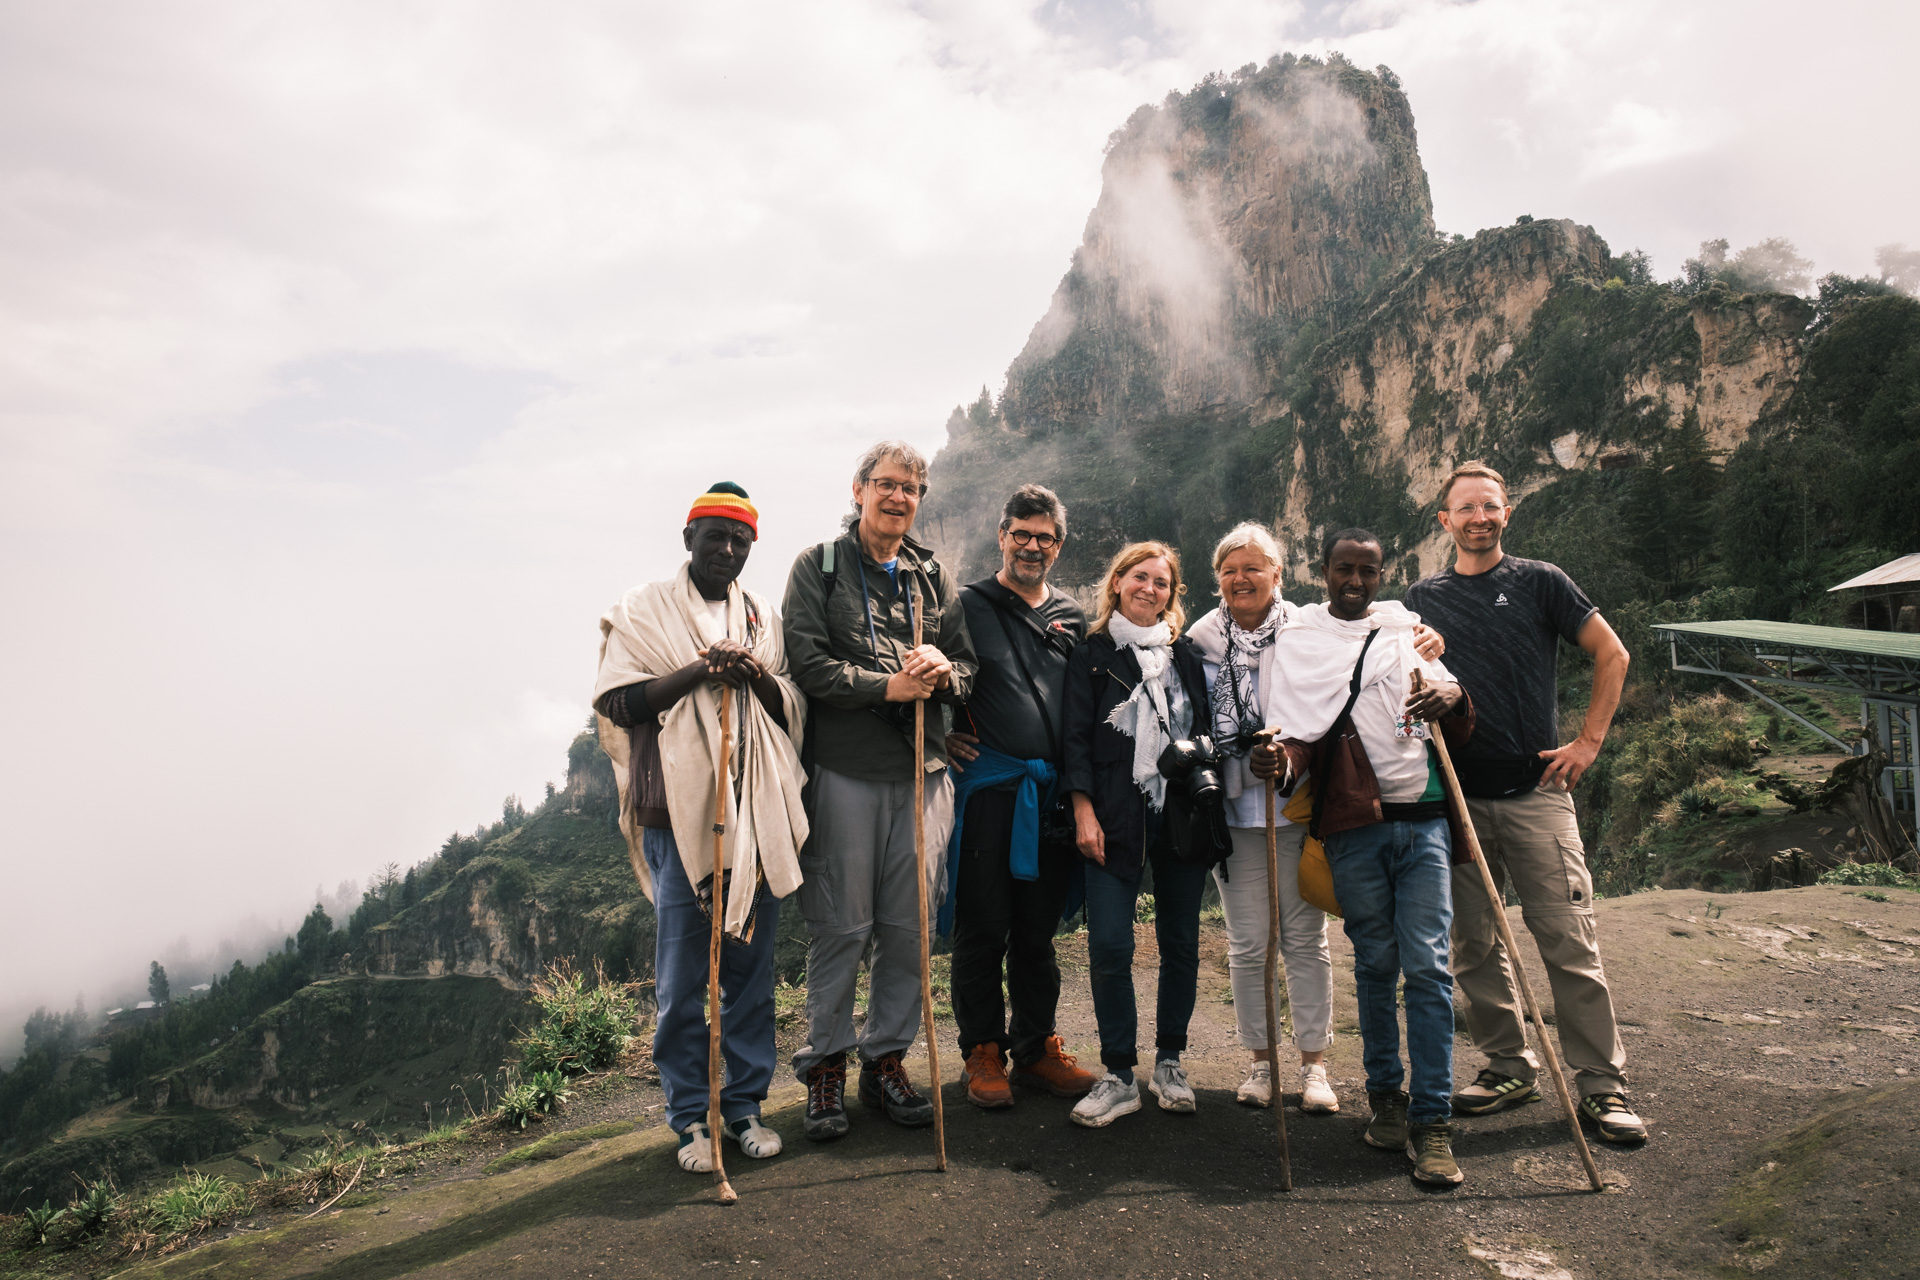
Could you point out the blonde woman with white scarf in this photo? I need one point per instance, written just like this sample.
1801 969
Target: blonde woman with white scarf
1134 685
1236 643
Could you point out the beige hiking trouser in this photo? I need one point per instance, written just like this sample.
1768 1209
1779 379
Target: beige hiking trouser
1533 842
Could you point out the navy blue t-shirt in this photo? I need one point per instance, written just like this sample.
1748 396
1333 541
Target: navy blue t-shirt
1502 629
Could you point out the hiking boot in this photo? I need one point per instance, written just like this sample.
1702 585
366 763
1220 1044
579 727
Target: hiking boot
1430 1147
884 1084
986 1078
1388 1128
755 1140
827 1099
1317 1097
1111 1098
1492 1092
1056 1071
696 1148
1612 1118
1169 1084
1257 1089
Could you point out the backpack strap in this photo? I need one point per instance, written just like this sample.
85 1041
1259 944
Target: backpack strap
827 572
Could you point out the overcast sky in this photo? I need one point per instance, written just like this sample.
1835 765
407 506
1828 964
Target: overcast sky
354 357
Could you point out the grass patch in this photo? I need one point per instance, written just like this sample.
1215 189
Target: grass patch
555 1145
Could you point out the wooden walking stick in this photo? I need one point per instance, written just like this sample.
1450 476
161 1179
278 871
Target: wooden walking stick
714 1060
1273 955
1513 951
926 950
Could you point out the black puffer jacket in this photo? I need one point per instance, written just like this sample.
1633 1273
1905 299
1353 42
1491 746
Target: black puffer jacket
1099 758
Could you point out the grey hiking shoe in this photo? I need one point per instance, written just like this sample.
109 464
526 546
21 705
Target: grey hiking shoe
1169 1084
1492 1092
1430 1147
1110 1099
1388 1128
884 1084
1612 1118
827 1099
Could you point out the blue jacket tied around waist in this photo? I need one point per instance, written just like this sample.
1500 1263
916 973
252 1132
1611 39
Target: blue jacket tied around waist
992 769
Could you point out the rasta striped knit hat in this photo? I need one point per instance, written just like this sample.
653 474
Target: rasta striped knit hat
727 501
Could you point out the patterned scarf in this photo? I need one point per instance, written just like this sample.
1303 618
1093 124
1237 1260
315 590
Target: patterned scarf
1237 713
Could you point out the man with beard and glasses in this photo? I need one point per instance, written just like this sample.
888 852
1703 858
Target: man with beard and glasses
1011 858
851 608
1506 618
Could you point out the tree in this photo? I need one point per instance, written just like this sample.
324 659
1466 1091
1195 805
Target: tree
1772 265
157 983
313 935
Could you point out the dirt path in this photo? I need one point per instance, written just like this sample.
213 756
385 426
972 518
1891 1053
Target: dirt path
1772 1038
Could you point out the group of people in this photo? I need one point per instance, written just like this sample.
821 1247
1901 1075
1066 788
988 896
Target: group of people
1071 765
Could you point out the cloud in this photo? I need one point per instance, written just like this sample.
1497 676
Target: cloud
354 357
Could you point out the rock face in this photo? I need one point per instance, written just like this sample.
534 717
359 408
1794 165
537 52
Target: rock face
1262 323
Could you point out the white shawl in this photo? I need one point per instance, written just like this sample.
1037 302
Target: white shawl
1154 707
1314 659
654 631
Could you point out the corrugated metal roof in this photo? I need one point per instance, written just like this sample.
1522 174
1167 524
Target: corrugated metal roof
1885 644
1893 572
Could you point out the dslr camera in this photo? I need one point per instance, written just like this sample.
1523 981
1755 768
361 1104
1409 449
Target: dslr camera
1194 763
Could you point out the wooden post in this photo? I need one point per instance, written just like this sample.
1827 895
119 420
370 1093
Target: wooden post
719 910
1273 959
1513 952
926 945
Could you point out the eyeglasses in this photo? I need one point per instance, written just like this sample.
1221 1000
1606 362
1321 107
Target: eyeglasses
1024 537
1472 509
888 488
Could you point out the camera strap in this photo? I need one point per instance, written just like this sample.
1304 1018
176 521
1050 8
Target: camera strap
1039 700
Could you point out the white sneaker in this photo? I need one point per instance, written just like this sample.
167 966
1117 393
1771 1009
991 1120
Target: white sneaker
696 1148
755 1140
1316 1095
1169 1084
1257 1089
1110 1099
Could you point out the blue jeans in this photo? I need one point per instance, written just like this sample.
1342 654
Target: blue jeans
1111 896
1396 887
680 1033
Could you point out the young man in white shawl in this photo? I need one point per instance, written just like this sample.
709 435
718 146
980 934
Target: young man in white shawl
669 652
1344 704
1236 649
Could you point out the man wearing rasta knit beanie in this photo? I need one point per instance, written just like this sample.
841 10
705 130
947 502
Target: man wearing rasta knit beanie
669 652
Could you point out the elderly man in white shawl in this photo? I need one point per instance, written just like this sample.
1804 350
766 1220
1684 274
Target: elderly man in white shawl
669 651
1346 706
1236 643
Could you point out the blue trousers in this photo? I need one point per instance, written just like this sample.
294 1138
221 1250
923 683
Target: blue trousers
1396 888
1111 895
680 1032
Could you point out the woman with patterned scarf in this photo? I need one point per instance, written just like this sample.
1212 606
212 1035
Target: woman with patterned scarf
1134 685
1236 645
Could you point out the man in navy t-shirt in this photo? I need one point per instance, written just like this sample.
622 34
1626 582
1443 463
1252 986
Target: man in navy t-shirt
1503 618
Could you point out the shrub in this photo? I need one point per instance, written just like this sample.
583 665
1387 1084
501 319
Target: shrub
1869 873
93 1208
1688 748
194 1203
41 1222
582 1027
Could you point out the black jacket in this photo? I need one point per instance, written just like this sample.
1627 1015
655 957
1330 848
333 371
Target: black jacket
1100 676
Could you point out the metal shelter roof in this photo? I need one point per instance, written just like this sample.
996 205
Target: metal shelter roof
1890 574
1897 645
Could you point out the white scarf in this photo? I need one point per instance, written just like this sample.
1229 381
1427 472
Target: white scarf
1239 653
1156 704
1314 658
654 631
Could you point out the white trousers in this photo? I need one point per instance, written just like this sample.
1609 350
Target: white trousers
1306 968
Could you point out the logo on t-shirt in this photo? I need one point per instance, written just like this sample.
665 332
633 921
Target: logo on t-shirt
1500 599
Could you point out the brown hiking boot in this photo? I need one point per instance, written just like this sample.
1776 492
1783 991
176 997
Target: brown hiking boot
985 1076
1055 1071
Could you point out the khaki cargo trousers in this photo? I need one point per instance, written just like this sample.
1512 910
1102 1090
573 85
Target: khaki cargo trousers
1533 843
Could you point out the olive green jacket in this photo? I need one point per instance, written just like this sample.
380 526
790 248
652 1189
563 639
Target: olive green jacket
843 670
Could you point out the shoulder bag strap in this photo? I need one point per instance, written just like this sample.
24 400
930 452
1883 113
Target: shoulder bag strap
1333 735
1053 746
